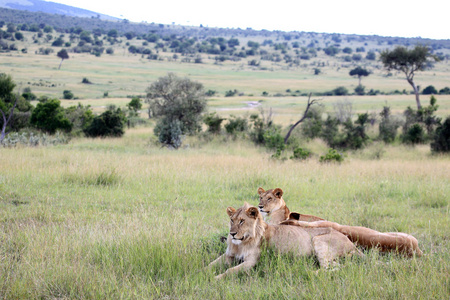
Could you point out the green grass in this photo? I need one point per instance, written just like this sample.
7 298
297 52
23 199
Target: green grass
121 218
124 218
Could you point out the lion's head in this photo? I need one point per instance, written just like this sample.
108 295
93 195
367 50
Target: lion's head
246 224
270 200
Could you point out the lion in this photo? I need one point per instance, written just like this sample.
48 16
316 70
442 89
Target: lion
274 209
273 206
249 233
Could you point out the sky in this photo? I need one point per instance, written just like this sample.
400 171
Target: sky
400 18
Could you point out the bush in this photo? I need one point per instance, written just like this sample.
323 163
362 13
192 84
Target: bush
301 154
80 116
312 125
441 140
429 90
169 133
332 156
68 95
86 81
360 90
387 127
110 123
213 122
231 93
444 91
414 135
340 91
50 117
236 124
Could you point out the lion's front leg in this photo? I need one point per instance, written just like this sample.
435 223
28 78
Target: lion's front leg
249 263
224 258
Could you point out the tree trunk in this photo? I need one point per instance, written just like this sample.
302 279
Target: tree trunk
6 121
60 64
416 92
309 104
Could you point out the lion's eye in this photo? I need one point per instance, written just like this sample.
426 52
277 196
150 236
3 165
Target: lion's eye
270 199
231 221
241 222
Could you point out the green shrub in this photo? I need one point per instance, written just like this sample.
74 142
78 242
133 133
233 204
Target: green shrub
340 91
213 122
360 90
387 127
301 154
429 90
49 116
414 135
109 123
332 156
312 125
169 133
236 124
441 140
68 95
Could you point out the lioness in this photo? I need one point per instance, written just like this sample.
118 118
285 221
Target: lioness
248 232
273 206
274 209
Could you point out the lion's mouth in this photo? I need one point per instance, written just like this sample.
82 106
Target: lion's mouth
237 241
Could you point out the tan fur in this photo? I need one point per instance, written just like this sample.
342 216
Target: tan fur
248 232
274 209
384 241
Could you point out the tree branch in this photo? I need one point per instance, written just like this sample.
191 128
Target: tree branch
308 106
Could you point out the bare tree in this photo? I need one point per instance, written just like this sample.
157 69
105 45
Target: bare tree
308 106
6 120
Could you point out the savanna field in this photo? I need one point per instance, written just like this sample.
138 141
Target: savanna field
124 218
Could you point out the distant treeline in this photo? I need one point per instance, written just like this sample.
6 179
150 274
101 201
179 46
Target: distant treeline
64 24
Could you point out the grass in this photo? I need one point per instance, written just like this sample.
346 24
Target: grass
124 218
121 218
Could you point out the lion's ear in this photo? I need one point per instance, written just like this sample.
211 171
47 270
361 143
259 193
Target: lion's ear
252 212
261 190
278 192
230 211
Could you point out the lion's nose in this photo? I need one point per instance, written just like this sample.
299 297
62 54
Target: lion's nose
260 206
233 234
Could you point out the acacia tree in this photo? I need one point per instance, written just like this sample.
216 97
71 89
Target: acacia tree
409 61
360 72
63 55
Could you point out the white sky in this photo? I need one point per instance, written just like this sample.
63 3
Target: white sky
427 19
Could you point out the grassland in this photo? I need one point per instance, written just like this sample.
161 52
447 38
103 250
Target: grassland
126 219
123 218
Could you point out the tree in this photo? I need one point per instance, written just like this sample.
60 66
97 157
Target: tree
173 98
409 61
7 86
135 104
308 106
50 116
63 55
360 72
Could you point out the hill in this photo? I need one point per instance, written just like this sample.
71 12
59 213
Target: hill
52 8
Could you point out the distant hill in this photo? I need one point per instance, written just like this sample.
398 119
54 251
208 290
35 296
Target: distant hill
52 8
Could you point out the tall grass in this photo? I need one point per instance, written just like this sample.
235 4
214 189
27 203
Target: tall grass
120 218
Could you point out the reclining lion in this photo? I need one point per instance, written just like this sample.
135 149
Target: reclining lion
272 203
248 233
